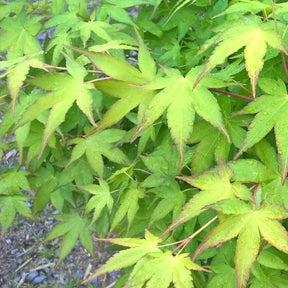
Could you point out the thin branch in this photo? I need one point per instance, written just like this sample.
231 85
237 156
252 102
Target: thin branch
185 242
231 94
203 227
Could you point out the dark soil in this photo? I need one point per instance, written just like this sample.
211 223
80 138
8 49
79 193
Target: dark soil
27 262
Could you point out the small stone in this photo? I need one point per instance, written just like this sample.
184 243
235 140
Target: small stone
55 275
93 281
78 273
5 286
33 275
39 279
46 270
17 279
14 251
133 53
19 261
8 241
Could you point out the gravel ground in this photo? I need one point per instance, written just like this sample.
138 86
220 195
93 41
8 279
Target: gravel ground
27 262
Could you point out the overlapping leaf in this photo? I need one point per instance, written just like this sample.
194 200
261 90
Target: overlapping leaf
73 227
212 143
66 89
181 103
9 204
18 33
100 143
16 74
248 224
124 74
172 200
271 112
128 205
215 186
102 198
125 258
255 37
150 262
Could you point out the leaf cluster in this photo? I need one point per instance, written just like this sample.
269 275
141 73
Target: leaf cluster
164 122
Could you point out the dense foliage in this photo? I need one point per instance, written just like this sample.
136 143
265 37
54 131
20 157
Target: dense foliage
152 119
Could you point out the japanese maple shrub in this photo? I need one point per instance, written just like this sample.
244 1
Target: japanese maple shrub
164 122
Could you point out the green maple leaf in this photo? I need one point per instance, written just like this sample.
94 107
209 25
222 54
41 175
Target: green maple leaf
223 267
73 227
246 6
181 103
215 186
100 143
172 200
18 33
9 204
25 101
101 198
271 112
123 74
150 271
98 27
248 224
255 37
66 89
125 258
163 164
269 257
66 29
150 261
17 69
79 171
30 137
255 171
44 182
128 205
266 173
12 7
213 144
12 181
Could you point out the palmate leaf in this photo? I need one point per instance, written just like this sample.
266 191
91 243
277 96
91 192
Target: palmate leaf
181 103
126 258
12 181
150 271
172 200
128 205
255 37
73 227
123 74
150 261
100 143
271 112
9 204
215 186
102 198
67 89
246 6
45 176
17 69
18 33
248 224
267 174
212 143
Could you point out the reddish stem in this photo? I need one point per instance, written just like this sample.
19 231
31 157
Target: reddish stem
184 243
231 94
255 191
